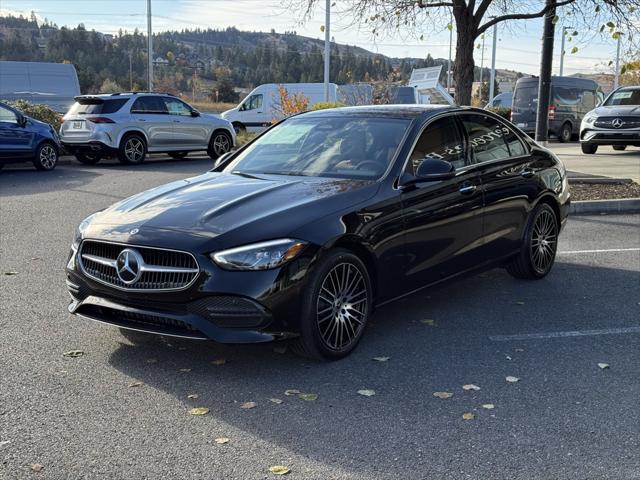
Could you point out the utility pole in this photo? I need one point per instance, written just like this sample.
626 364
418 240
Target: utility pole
492 82
450 51
616 81
327 49
564 35
131 70
482 68
546 63
150 46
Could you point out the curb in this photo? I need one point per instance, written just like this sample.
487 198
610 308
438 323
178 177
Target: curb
622 205
600 181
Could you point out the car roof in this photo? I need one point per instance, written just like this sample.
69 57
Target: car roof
395 111
105 96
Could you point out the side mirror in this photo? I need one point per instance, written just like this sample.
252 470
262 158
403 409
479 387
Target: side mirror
432 170
222 162
195 113
22 120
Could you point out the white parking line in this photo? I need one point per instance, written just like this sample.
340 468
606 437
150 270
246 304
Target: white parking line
606 250
574 333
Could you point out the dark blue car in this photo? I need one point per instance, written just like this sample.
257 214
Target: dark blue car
25 138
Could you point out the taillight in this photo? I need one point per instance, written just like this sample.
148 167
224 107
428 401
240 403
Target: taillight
552 112
99 120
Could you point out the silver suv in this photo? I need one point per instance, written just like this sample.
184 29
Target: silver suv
130 125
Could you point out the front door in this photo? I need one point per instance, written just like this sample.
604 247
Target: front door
15 140
443 219
189 131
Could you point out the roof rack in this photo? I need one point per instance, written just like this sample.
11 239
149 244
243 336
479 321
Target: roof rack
135 93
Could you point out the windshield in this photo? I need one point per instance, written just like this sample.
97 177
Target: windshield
341 147
624 97
526 98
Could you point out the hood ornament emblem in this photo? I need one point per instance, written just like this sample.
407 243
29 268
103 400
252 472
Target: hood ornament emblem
129 266
617 123
134 231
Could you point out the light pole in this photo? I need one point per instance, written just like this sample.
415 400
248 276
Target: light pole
564 34
492 82
450 50
150 46
327 49
616 80
481 68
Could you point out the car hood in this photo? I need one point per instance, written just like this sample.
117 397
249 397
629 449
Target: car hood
217 210
613 110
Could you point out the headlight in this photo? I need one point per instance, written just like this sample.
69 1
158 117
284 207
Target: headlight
589 119
84 224
259 256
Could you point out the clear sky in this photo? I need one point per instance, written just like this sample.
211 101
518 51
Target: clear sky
518 42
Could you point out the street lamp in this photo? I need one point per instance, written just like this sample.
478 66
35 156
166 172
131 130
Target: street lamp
150 46
327 50
493 62
564 35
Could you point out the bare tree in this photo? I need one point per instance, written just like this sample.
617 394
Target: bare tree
474 17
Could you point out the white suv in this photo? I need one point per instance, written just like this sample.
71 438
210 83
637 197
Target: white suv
130 125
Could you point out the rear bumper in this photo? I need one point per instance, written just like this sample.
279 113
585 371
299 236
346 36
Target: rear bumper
94 147
610 137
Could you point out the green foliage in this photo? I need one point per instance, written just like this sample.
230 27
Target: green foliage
39 112
504 112
223 90
109 86
327 105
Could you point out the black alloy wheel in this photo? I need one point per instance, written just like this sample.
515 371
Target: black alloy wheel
219 144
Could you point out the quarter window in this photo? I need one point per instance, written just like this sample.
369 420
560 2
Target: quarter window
490 139
149 105
440 140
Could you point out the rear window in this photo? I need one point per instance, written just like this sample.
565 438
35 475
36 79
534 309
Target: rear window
526 98
97 106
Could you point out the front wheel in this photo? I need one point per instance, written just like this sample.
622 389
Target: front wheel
133 150
538 252
219 144
619 148
336 307
589 148
46 157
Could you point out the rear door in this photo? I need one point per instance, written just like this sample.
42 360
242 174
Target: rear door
15 139
443 219
150 114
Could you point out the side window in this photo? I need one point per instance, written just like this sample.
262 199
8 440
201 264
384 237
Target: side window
569 96
490 139
176 107
588 100
440 140
7 116
254 102
149 105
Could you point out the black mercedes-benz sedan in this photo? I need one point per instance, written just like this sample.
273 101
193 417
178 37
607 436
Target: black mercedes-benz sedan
304 231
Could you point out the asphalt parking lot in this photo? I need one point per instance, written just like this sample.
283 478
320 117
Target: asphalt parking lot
121 410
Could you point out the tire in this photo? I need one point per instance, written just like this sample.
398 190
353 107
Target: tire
619 148
540 243
330 327
46 157
133 150
220 143
566 133
589 148
178 155
239 128
88 158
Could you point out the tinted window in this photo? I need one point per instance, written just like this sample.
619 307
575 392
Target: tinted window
149 105
490 139
176 107
7 115
440 140
92 107
526 98
624 97
566 95
588 100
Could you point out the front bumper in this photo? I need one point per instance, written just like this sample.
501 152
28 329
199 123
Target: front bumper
610 137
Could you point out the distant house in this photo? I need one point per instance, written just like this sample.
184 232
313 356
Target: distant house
160 62
52 84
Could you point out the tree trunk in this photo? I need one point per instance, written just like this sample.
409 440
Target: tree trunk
464 65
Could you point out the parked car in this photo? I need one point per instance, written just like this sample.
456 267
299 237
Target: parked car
130 125
25 138
571 99
502 100
616 122
262 106
306 229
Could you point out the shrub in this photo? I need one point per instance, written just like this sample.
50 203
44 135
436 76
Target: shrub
504 112
39 112
327 105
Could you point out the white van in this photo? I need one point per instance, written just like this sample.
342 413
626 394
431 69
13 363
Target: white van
262 106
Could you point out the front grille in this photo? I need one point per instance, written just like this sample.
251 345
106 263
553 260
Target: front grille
159 270
628 122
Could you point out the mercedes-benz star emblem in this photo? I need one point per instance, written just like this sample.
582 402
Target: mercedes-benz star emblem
128 266
617 123
134 231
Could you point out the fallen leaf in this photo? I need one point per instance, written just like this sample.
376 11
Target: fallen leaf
431 323
199 411
519 349
512 379
151 360
135 384
381 359
468 416
73 353
275 400
36 467
222 440
248 405
309 397
5 442
488 406
508 357
218 361
12 273
185 370
293 391
519 303
281 349
182 349
603 365
443 394
192 396
367 393
279 470
470 386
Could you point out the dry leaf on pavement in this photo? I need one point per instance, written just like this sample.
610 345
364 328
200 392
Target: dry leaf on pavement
185 370
381 359
309 397
275 400
11 273
603 365
73 353
488 406
443 394
519 303
199 411
192 396
218 361
135 384
292 391
279 470
248 405
36 467
470 386
367 393
5 442
222 440
431 323
512 379
468 416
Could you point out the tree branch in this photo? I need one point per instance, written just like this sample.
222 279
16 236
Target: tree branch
522 16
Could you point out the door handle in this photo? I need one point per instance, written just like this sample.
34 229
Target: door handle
176 121
466 189
527 173
141 120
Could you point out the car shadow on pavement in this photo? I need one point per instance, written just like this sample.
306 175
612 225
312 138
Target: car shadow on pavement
437 340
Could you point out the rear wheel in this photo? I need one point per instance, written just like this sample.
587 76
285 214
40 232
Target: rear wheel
538 252
336 307
133 150
46 157
619 147
219 144
566 133
88 158
589 148
178 155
